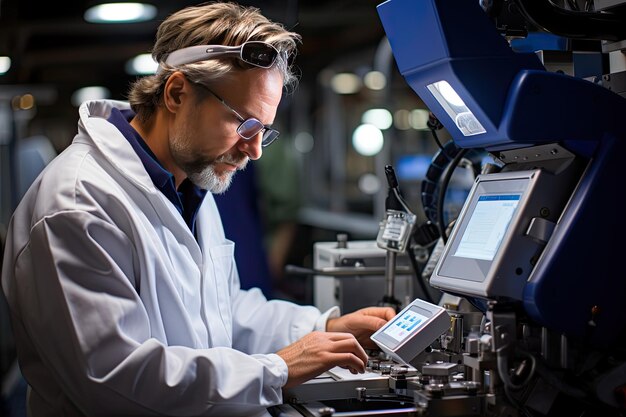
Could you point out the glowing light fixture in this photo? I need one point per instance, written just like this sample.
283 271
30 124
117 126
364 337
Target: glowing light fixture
369 183
303 142
5 64
120 13
419 119
367 140
23 102
89 93
448 93
375 80
345 83
454 105
141 65
381 118
401 119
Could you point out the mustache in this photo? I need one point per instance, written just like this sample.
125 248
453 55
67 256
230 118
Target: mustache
240 161
200 164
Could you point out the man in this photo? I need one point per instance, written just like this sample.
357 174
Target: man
123 292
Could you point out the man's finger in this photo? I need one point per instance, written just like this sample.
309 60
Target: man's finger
350 346
351 361
371 323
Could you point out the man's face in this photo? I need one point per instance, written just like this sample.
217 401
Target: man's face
204 142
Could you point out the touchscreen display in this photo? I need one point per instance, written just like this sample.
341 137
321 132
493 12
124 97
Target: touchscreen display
405 325
487 226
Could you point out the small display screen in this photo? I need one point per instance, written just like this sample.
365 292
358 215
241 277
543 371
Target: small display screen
487 226
404 325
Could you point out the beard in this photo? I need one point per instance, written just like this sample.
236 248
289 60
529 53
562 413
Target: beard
207 178
202 171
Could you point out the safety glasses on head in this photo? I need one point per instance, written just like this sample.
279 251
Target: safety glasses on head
259 54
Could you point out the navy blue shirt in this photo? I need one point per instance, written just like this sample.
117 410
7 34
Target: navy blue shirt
241 218
187 198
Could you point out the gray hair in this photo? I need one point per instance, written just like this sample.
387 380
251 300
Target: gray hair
210 24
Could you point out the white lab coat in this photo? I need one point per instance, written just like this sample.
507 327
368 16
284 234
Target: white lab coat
117 309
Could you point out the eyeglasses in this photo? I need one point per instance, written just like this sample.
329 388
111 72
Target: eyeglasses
259 54
248 128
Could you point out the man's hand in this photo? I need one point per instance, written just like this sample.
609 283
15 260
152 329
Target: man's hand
317 352
362 323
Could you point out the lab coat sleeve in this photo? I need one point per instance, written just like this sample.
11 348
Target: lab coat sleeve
261 326
75 290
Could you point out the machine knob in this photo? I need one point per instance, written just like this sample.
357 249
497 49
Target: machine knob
325 411
360 393
342 240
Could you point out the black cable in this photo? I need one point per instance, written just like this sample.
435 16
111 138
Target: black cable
418 275
573 5
440 161
516 403
434 124
570 23
436 138
443 186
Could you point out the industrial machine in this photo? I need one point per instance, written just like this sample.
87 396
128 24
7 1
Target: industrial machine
351 275
534 248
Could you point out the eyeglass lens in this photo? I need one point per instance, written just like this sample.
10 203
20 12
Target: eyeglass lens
251 127
259 53
269 136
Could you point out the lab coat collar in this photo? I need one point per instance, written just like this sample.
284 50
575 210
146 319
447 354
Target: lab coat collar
109 140
95 129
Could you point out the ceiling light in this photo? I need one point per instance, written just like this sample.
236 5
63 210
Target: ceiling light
367 140
401 119
141 65
345 83
369 183
381 118
375 80
418 119
89 93
23 102
5 64
120 13
304 142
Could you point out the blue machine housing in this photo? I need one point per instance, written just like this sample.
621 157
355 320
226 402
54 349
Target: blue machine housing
456 43
578 286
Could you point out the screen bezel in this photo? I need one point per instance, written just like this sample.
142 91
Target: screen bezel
394 344
472 269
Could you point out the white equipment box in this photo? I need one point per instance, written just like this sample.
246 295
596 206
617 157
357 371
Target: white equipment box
352 291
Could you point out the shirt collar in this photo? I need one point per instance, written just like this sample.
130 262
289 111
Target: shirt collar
188 198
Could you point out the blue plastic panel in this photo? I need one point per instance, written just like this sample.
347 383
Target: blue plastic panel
577 286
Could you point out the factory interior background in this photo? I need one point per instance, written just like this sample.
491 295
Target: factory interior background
324 180
351 114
